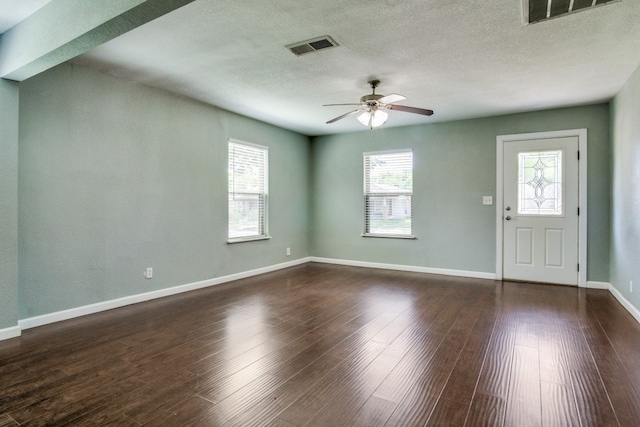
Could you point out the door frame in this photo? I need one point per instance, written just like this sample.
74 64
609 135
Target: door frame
582 194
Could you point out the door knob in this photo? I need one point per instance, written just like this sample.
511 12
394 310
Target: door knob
508 218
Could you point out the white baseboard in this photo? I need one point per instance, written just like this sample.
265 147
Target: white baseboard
11 332
45 319
597 285
400 267
71 313
625 303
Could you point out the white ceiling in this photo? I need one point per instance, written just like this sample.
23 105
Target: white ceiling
14 11
461 58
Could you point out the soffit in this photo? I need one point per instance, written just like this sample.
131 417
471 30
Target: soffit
461 58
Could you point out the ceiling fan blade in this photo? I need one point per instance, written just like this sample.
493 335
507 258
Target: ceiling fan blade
332 105
394 97
414 110
344 115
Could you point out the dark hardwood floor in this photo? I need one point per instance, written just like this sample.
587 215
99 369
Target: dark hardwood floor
325 345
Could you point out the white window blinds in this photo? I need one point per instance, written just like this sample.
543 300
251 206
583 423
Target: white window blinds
388 191
248 189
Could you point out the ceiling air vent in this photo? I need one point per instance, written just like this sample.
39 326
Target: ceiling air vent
541 10
312 45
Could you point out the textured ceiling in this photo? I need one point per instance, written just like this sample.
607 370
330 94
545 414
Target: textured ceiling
14 11
461 58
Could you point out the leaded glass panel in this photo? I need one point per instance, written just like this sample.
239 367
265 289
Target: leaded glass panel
540 183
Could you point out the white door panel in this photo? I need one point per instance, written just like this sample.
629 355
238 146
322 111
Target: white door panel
554 248
540 226
524 246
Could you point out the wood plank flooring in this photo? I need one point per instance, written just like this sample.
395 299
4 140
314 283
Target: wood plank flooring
326 345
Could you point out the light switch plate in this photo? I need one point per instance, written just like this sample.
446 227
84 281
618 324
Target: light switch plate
487 200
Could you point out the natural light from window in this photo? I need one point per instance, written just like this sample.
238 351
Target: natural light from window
388 193
248 189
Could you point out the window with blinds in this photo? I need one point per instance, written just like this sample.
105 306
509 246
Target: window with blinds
248 189
388 191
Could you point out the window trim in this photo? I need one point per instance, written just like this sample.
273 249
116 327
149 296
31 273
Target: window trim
409 236
265 232
247 239
391 236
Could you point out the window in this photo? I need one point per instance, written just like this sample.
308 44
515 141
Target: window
388 191
540 183
248 189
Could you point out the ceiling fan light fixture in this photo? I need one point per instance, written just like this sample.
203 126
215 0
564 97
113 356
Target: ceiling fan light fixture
370 108
373 119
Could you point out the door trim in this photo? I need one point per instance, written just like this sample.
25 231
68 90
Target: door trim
582 193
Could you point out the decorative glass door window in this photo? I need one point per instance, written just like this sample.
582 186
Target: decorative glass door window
540 183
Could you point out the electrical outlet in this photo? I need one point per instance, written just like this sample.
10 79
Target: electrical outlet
487 200
288 251
148 273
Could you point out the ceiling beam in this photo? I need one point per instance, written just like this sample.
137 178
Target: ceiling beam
64 29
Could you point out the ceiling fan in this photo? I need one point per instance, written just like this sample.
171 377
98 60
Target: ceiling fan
373 106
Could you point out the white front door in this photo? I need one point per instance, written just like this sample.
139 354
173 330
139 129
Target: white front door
540 210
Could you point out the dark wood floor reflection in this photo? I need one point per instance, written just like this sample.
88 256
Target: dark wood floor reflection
324 345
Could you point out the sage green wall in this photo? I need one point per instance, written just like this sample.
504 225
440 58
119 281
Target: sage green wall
454 166
625 203
8 204
115 177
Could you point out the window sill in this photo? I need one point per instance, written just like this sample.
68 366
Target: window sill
247 239
392 236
